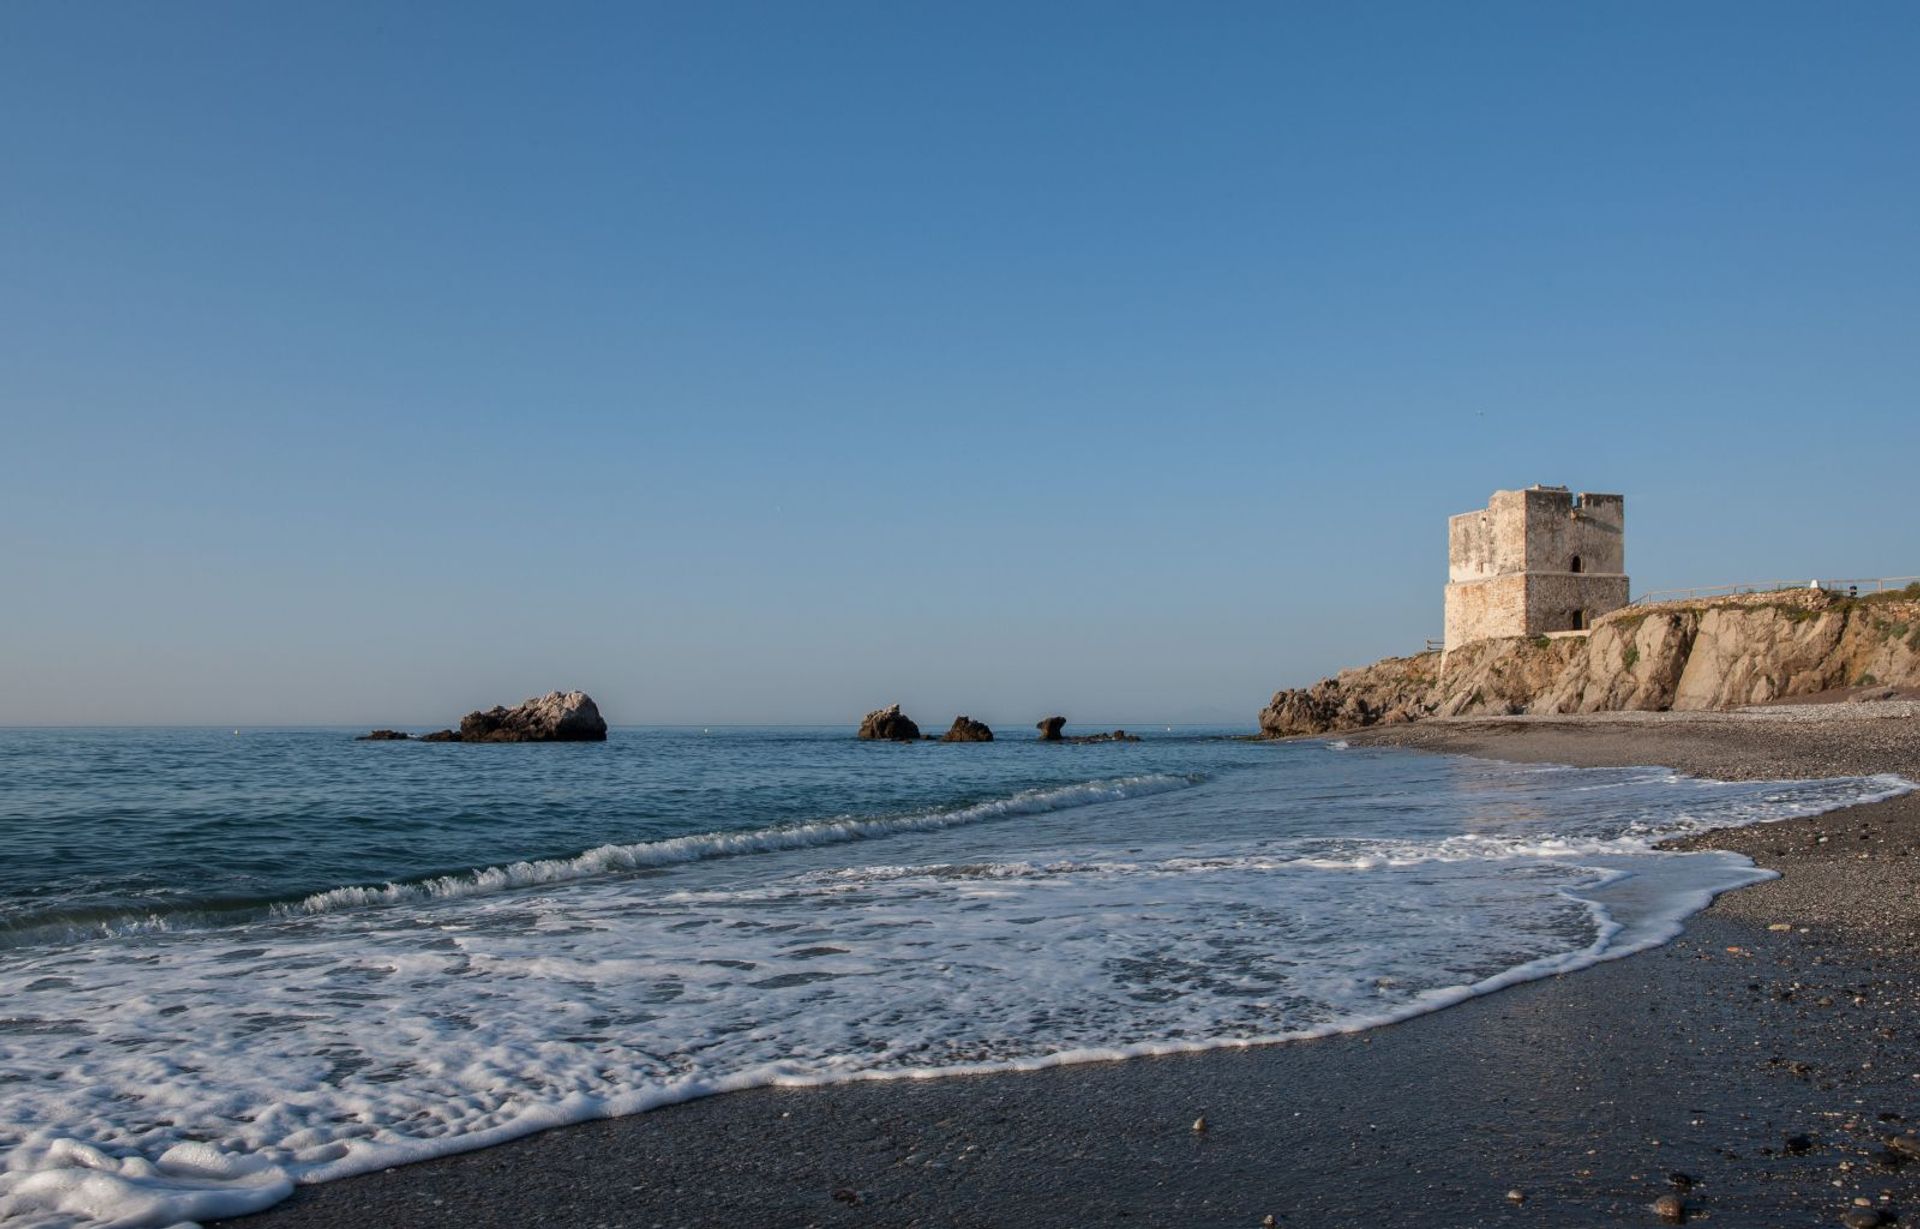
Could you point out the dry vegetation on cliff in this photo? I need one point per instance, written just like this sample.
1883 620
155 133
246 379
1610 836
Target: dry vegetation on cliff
1715 654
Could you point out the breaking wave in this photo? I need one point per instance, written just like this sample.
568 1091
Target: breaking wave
642 855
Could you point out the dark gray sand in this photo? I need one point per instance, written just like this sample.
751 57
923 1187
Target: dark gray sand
1765 1070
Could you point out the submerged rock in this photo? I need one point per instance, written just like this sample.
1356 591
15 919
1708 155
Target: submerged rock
1049 728
383 736
557 717
889 724
1118 736
967 730
441 736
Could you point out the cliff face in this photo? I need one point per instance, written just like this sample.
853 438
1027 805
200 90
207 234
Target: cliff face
1722 653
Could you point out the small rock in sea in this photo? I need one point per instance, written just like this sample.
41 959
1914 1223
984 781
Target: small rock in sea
1049 728
1864 1218
383 736
1118 736
557 717
1796 1145
889 724
441 736
1268 1222
1516 1196
1200 1123
967 730
1905 1145
846 1194
1670 1208
1681 1182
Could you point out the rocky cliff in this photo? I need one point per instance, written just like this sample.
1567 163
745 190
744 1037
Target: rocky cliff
1722 653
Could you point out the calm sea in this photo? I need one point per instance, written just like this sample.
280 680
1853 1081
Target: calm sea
231 961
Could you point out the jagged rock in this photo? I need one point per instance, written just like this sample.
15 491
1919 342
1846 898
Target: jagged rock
967 730
557 717
1404 685
383 736
1633 660
441 736
889 724
1049 728
1720 653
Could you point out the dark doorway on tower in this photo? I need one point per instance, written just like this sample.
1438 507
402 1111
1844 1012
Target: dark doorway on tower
1580 623
1576 566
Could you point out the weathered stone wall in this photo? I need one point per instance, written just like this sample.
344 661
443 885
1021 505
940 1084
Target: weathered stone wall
1564 602
1489 542
1474 606
1562 528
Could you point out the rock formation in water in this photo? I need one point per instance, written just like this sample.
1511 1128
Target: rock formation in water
1117 736
1049 728
967 730
889 724
1722 653
557 717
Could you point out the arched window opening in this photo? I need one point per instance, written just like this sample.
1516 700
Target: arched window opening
1577 566
1579 620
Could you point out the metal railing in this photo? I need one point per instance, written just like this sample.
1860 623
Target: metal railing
1850 587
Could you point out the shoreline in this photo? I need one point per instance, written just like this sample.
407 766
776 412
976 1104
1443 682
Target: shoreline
1582 1091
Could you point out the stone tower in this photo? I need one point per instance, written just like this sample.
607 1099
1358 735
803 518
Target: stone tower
1535 562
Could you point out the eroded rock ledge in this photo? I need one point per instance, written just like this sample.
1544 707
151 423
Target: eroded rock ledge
1724 653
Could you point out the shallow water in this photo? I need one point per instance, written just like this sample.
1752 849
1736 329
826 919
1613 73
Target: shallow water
229 963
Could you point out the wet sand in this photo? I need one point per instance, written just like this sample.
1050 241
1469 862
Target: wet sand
1768 1057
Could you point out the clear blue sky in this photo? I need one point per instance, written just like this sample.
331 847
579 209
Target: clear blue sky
368 363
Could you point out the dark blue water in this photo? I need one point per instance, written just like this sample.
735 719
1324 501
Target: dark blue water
107 829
